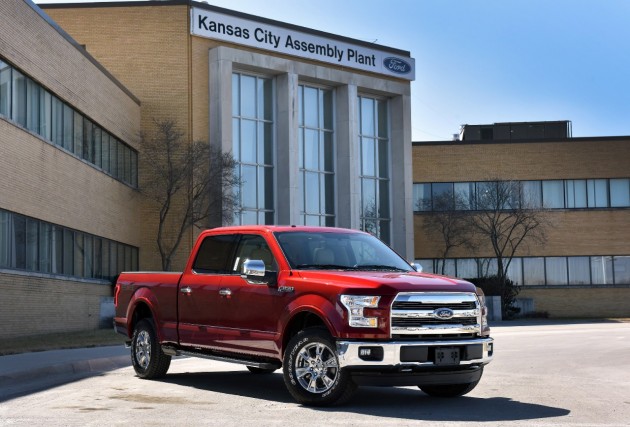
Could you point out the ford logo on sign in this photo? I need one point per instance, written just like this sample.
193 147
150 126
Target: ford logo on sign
397 65
443 313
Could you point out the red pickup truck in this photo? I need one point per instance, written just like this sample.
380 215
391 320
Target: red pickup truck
334 308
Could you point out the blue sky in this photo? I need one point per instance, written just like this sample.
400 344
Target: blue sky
487 61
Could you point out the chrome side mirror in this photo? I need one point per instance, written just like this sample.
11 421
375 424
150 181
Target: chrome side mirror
416 267
255 273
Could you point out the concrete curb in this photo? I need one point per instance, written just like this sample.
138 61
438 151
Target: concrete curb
28 371
73 368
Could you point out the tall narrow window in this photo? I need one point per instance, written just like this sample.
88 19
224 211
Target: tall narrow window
32 105
374 143
252 129
5 89
317 171
18 108
45 114
597 190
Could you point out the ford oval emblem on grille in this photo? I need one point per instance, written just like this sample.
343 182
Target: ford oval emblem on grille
443 313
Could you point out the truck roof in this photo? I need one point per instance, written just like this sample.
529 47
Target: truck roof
282 228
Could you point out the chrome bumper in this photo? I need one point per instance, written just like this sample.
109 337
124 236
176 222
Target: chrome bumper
349 353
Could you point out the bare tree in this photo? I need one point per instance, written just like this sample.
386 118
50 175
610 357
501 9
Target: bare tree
506 217
192 183
449 220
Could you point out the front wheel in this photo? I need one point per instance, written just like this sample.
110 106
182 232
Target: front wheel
311 370
147 357
449 390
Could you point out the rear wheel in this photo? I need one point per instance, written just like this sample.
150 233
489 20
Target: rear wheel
147 357
311 370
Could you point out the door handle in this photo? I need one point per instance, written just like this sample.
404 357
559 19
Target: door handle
225 292
186 290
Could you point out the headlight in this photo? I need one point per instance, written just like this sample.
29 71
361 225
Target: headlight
355 305
484 308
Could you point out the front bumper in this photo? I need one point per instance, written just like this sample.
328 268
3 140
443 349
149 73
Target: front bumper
412 354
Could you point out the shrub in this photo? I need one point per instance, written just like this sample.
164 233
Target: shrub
506 289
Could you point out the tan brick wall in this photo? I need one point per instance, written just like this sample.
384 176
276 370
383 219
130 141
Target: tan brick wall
36 305
581 302
147 48
584 232
43 181
35 47
572 159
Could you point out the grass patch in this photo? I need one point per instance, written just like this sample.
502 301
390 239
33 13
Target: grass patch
64 340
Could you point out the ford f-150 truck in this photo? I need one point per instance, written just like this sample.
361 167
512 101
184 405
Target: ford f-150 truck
334 308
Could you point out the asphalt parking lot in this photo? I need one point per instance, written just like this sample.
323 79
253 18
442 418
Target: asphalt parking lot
547 373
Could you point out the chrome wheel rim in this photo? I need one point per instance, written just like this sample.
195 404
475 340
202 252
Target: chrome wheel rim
316 368
143 349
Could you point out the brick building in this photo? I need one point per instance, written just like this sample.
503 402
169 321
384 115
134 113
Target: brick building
68 158
316 121
583 270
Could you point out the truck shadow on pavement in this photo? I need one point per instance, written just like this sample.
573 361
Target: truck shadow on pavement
391 402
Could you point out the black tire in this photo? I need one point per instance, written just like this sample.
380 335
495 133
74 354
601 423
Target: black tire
311 370
449 390
261 371
147 357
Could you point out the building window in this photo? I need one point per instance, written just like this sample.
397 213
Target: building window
575 193
597 190
579 270
541 271
620 193
553 194
533 271
31 106
374 146
601 270
18 107
32 245
556 270
422 197
5 89
252 130
316 147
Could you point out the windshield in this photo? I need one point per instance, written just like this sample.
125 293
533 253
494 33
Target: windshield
338 251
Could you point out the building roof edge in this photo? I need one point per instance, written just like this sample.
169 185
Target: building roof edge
235 13
82 50
523 141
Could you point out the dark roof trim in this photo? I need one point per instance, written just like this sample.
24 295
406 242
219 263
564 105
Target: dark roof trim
524 141
81 49
217 9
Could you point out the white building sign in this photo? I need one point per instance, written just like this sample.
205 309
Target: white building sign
213 25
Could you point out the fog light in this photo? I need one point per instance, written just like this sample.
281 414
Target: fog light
372 354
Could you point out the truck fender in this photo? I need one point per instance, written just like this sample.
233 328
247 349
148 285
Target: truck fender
143 296
313 304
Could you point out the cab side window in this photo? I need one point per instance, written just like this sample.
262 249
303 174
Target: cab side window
253 247
214 254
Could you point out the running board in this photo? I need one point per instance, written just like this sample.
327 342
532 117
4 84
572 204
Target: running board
172 351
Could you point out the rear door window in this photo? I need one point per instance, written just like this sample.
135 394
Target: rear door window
215 254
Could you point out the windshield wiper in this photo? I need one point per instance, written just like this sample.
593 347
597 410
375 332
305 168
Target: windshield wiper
378 267
323 267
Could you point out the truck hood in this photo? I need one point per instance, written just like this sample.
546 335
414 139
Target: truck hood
399 282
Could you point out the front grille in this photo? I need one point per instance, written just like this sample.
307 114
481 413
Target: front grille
416 314
413 305
411 322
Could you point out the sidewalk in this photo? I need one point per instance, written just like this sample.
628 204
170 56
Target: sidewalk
18 371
